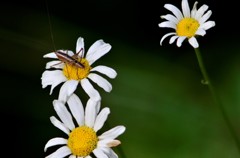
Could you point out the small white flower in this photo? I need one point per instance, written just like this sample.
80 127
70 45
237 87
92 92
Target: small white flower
83 139
72 75
187 24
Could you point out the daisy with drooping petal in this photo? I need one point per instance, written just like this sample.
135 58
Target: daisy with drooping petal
187 24
73 74
83 140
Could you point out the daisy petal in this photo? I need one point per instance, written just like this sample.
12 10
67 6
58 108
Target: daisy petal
113 143
113 133
60 153
59 125
99 153
90 113
67 89
55 141
98 53
94 47
49 76
205 17
76 107
98 105
170 17
111 73
168 24
172 39
52 78
174 10
63 114
108 143
193 42
165 36
180 40
51 55
185 9
110 153
55 64
194 9
200 32
100 81
80 45
207 25
200 12
101 118
88 88
72 156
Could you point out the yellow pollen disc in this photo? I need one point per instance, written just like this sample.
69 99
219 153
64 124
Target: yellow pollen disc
82 141
187 27
74 71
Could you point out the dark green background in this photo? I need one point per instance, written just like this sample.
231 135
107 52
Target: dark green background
157 94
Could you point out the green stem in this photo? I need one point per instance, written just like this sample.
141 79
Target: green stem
216 99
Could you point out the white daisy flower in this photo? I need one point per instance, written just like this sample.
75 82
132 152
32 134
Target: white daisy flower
83 140
77 68
187 24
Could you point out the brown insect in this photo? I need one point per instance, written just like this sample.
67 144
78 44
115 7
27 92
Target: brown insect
72 60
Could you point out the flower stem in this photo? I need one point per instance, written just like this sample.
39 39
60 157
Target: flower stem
215 97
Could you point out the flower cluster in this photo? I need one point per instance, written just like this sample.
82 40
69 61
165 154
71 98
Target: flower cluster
80 125
71 69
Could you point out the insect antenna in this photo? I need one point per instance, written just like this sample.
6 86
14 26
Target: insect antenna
62 56
50 26
51 32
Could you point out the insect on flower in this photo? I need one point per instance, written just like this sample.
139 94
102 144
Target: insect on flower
67 59
77 68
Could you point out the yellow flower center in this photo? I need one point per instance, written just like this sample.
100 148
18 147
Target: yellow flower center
187 27
75 72
82 141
